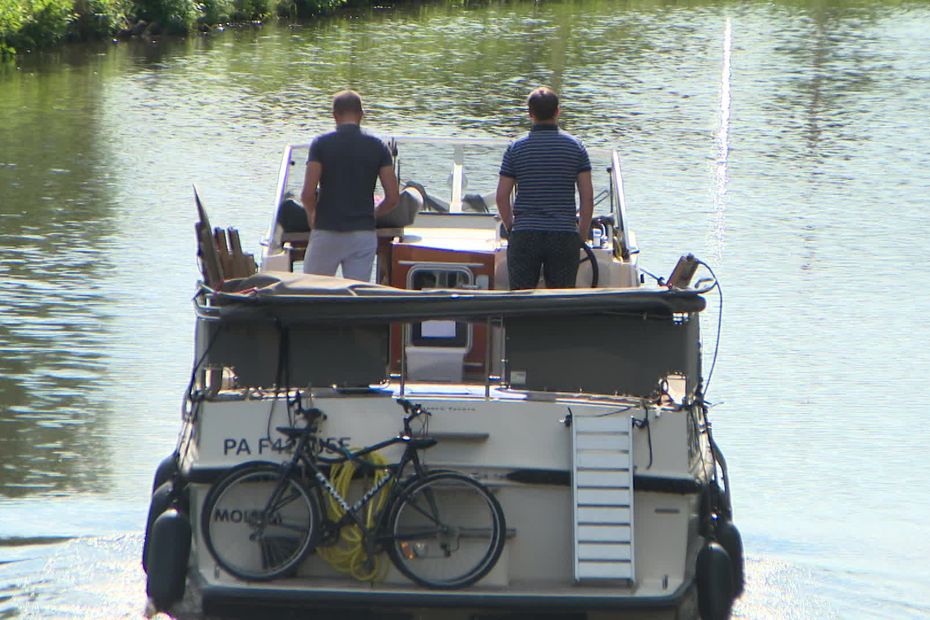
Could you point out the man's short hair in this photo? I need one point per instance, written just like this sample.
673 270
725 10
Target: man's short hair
347 102
543 103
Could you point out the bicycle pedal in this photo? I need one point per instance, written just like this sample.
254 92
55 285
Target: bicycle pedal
412 551
407 549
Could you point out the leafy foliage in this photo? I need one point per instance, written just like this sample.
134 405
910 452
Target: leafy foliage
98 18
216 11
309 8
175 16
33 22
12 16
247 10
28 24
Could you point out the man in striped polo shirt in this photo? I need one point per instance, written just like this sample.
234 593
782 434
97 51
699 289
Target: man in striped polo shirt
545 167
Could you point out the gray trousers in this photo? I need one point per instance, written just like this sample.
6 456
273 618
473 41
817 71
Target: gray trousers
354 251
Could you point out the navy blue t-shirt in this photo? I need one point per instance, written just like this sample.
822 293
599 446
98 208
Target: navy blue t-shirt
545 164
351 160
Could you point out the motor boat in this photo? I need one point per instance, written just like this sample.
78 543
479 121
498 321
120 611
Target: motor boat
582 411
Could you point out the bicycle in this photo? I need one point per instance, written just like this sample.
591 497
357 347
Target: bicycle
441 529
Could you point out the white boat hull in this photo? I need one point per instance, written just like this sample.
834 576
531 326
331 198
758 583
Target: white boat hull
522 450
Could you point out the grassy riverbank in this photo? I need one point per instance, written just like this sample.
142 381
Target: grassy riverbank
34 24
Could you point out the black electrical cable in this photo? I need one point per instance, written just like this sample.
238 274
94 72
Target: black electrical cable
716 284
644 423
281 371
196 401
659 279
198 364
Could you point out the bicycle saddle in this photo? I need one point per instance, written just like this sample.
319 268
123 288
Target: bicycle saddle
422 443
291 432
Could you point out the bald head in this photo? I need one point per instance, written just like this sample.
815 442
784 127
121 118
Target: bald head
347 106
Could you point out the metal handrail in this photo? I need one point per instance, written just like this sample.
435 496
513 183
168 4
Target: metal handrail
619 207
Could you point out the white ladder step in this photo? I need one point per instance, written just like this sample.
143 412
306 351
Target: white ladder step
601 532
602 441
609 479
603 497
603 514
602 490
606 570
602 459
594 552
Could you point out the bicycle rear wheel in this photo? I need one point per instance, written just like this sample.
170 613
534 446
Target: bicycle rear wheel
259 525
447 531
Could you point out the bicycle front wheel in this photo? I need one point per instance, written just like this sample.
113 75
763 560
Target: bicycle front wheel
447 531
259 524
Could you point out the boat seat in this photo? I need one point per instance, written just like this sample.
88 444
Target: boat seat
292 217
296 230
408 205
476 203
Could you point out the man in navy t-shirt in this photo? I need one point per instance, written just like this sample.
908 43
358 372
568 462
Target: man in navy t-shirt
545 167
345 164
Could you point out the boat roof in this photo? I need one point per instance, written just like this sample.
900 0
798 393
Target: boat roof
297 298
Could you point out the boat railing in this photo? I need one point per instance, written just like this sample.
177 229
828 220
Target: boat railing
289 182
425 139
624 240
273 236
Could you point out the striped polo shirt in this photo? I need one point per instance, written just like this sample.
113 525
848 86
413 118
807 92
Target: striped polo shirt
545 164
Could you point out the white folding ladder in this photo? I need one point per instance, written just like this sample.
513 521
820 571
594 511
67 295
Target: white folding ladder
602 490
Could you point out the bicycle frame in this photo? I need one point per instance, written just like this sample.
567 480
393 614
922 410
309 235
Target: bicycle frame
303 455
395 472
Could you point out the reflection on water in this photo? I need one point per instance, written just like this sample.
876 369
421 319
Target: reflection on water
782 142
721 173
79 578
54 223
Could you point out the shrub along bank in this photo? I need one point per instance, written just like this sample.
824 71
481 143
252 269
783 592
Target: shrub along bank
33 24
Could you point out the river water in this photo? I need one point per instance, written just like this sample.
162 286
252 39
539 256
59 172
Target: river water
785 143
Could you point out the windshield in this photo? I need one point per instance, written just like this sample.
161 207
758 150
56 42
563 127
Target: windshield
456 176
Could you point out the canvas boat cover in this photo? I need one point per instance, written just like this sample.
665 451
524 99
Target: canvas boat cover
302 298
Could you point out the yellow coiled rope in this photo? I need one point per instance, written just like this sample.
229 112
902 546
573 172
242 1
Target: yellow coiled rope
347 555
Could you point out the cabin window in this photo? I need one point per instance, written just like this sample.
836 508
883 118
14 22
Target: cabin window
440 333
425 278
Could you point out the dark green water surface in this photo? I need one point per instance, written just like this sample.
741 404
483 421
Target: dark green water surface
785 143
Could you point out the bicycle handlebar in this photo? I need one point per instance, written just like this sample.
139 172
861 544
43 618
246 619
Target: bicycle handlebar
413 411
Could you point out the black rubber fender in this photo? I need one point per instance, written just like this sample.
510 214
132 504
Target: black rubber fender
166 470
714 582
170 550
729 538
162 500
